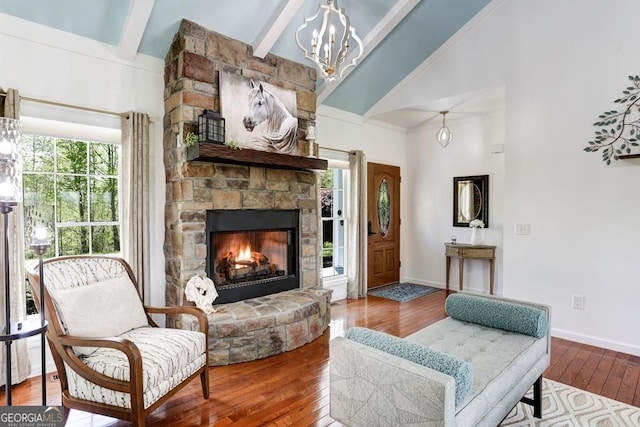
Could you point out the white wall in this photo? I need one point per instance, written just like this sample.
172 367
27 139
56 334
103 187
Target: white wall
430 188
562 63
52 65
582 213
381 142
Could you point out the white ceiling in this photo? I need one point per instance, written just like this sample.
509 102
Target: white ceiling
386 27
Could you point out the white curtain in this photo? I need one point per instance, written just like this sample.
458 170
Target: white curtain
357 230
135 156
21 367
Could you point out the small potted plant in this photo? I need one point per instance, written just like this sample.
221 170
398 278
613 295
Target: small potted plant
190 139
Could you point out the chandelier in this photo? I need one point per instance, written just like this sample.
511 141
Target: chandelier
444 135
327 52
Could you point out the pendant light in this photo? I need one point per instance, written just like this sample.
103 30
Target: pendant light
444 135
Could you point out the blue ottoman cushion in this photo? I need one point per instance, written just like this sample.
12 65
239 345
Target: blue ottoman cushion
498 314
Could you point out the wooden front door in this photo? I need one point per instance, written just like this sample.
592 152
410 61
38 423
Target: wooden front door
383 224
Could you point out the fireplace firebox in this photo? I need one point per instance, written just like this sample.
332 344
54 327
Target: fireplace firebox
252 253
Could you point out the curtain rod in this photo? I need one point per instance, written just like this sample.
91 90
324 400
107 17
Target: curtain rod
77 107
335 149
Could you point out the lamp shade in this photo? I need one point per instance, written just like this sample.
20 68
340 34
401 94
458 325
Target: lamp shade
444 136
10 161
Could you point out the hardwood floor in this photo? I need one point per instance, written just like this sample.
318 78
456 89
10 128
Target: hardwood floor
292 389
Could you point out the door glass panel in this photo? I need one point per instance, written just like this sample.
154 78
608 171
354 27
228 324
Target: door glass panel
384 207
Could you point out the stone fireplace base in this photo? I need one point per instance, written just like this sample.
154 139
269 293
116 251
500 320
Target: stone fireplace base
261 327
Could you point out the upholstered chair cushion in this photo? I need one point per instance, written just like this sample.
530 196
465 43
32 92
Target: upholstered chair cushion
169 356
107 308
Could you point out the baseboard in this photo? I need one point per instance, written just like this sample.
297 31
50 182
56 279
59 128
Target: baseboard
339 287
595 341
422 282
33 348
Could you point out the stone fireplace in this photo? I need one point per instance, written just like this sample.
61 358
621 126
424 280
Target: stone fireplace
202 188
252 253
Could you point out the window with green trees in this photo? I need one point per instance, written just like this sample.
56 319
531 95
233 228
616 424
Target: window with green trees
71 188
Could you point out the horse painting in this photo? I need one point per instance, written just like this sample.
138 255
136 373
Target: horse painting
281 127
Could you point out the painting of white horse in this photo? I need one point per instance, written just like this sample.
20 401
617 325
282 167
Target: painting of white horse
259 115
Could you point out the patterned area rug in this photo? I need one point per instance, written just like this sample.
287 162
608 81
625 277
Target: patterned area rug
565 406
402 292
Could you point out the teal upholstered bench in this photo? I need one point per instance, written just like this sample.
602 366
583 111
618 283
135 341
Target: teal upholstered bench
469 369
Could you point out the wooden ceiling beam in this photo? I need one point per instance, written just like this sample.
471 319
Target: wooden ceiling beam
134 27
272 33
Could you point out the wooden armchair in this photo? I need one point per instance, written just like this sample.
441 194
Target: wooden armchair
112 358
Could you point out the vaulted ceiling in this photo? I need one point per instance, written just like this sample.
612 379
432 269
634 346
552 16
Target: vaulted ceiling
398 36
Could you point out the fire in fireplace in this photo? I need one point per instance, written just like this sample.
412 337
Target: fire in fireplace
249 255
252 253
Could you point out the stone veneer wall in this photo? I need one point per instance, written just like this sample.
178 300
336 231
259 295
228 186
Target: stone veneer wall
192 65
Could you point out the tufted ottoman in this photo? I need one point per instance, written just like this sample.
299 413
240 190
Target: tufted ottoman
394 381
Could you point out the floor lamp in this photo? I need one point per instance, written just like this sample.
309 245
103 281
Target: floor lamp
10 195
39 246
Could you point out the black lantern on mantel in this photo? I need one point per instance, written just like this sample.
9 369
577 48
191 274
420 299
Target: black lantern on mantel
211 127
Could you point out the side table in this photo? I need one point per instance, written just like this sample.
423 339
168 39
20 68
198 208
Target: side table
18 331
462 251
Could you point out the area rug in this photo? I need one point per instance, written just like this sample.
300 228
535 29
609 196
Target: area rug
402 292
564 406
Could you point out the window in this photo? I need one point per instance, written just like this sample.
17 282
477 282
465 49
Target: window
71 187
334 221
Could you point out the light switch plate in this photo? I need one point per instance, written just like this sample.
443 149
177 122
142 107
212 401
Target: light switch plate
523 229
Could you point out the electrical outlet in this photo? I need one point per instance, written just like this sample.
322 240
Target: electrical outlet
577 302
53 377
523 229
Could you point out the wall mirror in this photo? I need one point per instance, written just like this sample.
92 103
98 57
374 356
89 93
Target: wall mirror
470 200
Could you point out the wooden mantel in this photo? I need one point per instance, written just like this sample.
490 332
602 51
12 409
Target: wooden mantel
216 153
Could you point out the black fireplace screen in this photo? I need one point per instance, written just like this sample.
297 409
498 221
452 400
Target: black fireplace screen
252 253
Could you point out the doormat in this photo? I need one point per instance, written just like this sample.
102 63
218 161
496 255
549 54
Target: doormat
402 292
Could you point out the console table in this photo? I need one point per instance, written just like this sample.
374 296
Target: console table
462 251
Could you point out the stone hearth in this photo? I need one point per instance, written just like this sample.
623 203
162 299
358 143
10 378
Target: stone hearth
265 326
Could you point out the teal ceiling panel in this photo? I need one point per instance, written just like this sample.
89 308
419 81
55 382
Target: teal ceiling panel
240 20
422 32
101 20
426 27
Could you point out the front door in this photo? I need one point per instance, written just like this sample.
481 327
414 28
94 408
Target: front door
383 224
